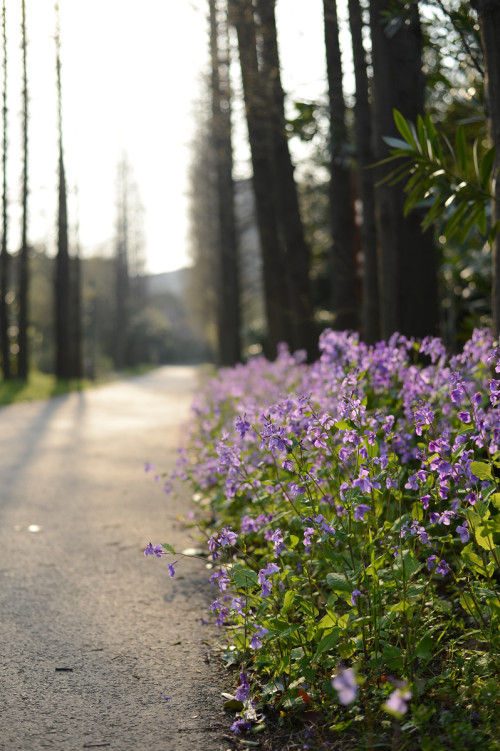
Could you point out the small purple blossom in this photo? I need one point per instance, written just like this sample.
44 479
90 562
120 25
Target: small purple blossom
157 550
346 685
241 724
463 531
243 689
257 636
397 703
359 512
277 539
242 425
355 594
464 416
171 569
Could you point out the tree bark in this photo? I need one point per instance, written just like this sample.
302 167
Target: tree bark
122 282
22 360
4 255
273 263
370 312
63 364
489 20
344 297
229 343
285 189
408 290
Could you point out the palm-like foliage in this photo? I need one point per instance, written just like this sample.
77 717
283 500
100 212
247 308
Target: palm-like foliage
455 184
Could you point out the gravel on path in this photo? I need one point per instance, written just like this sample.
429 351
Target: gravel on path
93 633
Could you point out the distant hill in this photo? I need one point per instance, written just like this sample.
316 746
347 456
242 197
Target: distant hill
171 282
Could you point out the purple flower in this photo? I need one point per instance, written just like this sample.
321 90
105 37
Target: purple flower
171 569
431 562
463 531
442 568
256 640
157 550
240 724
242 425
308 534
355 594
277 539
397 703
162 696
227 537
360 511
243 689
148 467
346 685
464 416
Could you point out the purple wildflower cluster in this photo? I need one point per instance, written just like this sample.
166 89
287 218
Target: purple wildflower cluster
367 469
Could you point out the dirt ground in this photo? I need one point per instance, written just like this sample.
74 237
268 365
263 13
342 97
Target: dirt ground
93 633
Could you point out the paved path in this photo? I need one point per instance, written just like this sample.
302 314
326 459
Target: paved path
91 631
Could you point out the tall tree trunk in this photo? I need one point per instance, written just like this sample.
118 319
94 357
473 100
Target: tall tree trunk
489 20
370 313
408 292
122 281
63 296
344 298
285 190
76 323
22 362
273 264
229 349
4 255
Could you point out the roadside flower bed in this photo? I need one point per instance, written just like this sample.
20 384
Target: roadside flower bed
355 553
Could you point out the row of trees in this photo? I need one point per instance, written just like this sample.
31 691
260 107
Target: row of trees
383 269
125 297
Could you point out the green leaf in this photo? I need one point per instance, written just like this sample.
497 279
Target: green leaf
484 536
288 600
487 168
338 583
461 148
327 642
168 547
404 128
244 578
495 500
481 470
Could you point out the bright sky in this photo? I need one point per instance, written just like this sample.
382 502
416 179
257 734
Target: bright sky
131 77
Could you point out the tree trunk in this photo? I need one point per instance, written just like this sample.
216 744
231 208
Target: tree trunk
344 297
121 271
63 296
22 362
4 255
229 349
489 19
408 292
62 281
273 264
370 313
285 190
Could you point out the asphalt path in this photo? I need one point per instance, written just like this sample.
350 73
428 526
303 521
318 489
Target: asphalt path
93 633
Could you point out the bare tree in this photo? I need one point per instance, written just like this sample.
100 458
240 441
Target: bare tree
22 363
370 313
344 297
64 366
4 255
408 293
228 297
489 19
122 279
290 225
256 104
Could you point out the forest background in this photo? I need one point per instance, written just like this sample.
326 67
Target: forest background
297 247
